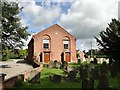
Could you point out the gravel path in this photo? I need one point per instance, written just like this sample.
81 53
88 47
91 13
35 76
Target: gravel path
14 68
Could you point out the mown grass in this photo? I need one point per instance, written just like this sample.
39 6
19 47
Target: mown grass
45 81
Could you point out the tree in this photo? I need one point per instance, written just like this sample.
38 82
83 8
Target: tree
13 32
22 53
109 41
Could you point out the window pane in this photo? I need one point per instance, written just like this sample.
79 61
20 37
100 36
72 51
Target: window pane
45 45
65 46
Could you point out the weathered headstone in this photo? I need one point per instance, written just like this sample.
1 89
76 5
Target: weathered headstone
113 70
103 69
103 80
86 76
57 64
55 78
51 64
87 84
84 72
64 66
95 73
71 76
95 61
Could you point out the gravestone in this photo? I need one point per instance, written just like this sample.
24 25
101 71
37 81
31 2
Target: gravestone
64 66
55 78
95 73
83 72
103 80
95 61
35 78
86 76
57 64
87 84
113 70
51 64
69 68
103 69
71 76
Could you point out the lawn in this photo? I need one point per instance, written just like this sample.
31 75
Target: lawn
47 83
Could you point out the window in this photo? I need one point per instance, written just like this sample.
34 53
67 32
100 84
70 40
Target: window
65 44
46 44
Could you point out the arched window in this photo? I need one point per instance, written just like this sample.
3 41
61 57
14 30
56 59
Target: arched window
46 42
66 42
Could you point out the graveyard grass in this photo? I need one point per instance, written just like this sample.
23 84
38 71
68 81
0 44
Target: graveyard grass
47 83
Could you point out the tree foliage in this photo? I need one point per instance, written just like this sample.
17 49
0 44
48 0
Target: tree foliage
13 31
109 41
22 53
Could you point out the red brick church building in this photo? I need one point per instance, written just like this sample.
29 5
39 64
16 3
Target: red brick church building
53 43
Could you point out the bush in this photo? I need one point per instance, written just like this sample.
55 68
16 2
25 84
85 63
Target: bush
18 83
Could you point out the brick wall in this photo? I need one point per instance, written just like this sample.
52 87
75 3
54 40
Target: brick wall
56 34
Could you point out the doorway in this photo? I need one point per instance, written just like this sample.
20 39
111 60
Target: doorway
46 57
67 56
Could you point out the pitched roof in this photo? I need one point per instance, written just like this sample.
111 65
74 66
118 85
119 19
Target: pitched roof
53 26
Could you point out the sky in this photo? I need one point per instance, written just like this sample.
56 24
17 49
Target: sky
84 19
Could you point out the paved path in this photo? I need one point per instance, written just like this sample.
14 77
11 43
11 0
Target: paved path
14 68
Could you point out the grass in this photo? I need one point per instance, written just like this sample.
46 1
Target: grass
47 83
115 82
75 65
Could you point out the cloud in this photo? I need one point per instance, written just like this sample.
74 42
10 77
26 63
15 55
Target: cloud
26 42
85 19
39 15
86 44
119 10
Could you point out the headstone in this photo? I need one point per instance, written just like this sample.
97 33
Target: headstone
51 64
36 78
103 69
113 70
57 64
95 73
69 68
87 84
55 78
95 61
103 82
64 66
84 72
86 76
71 76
